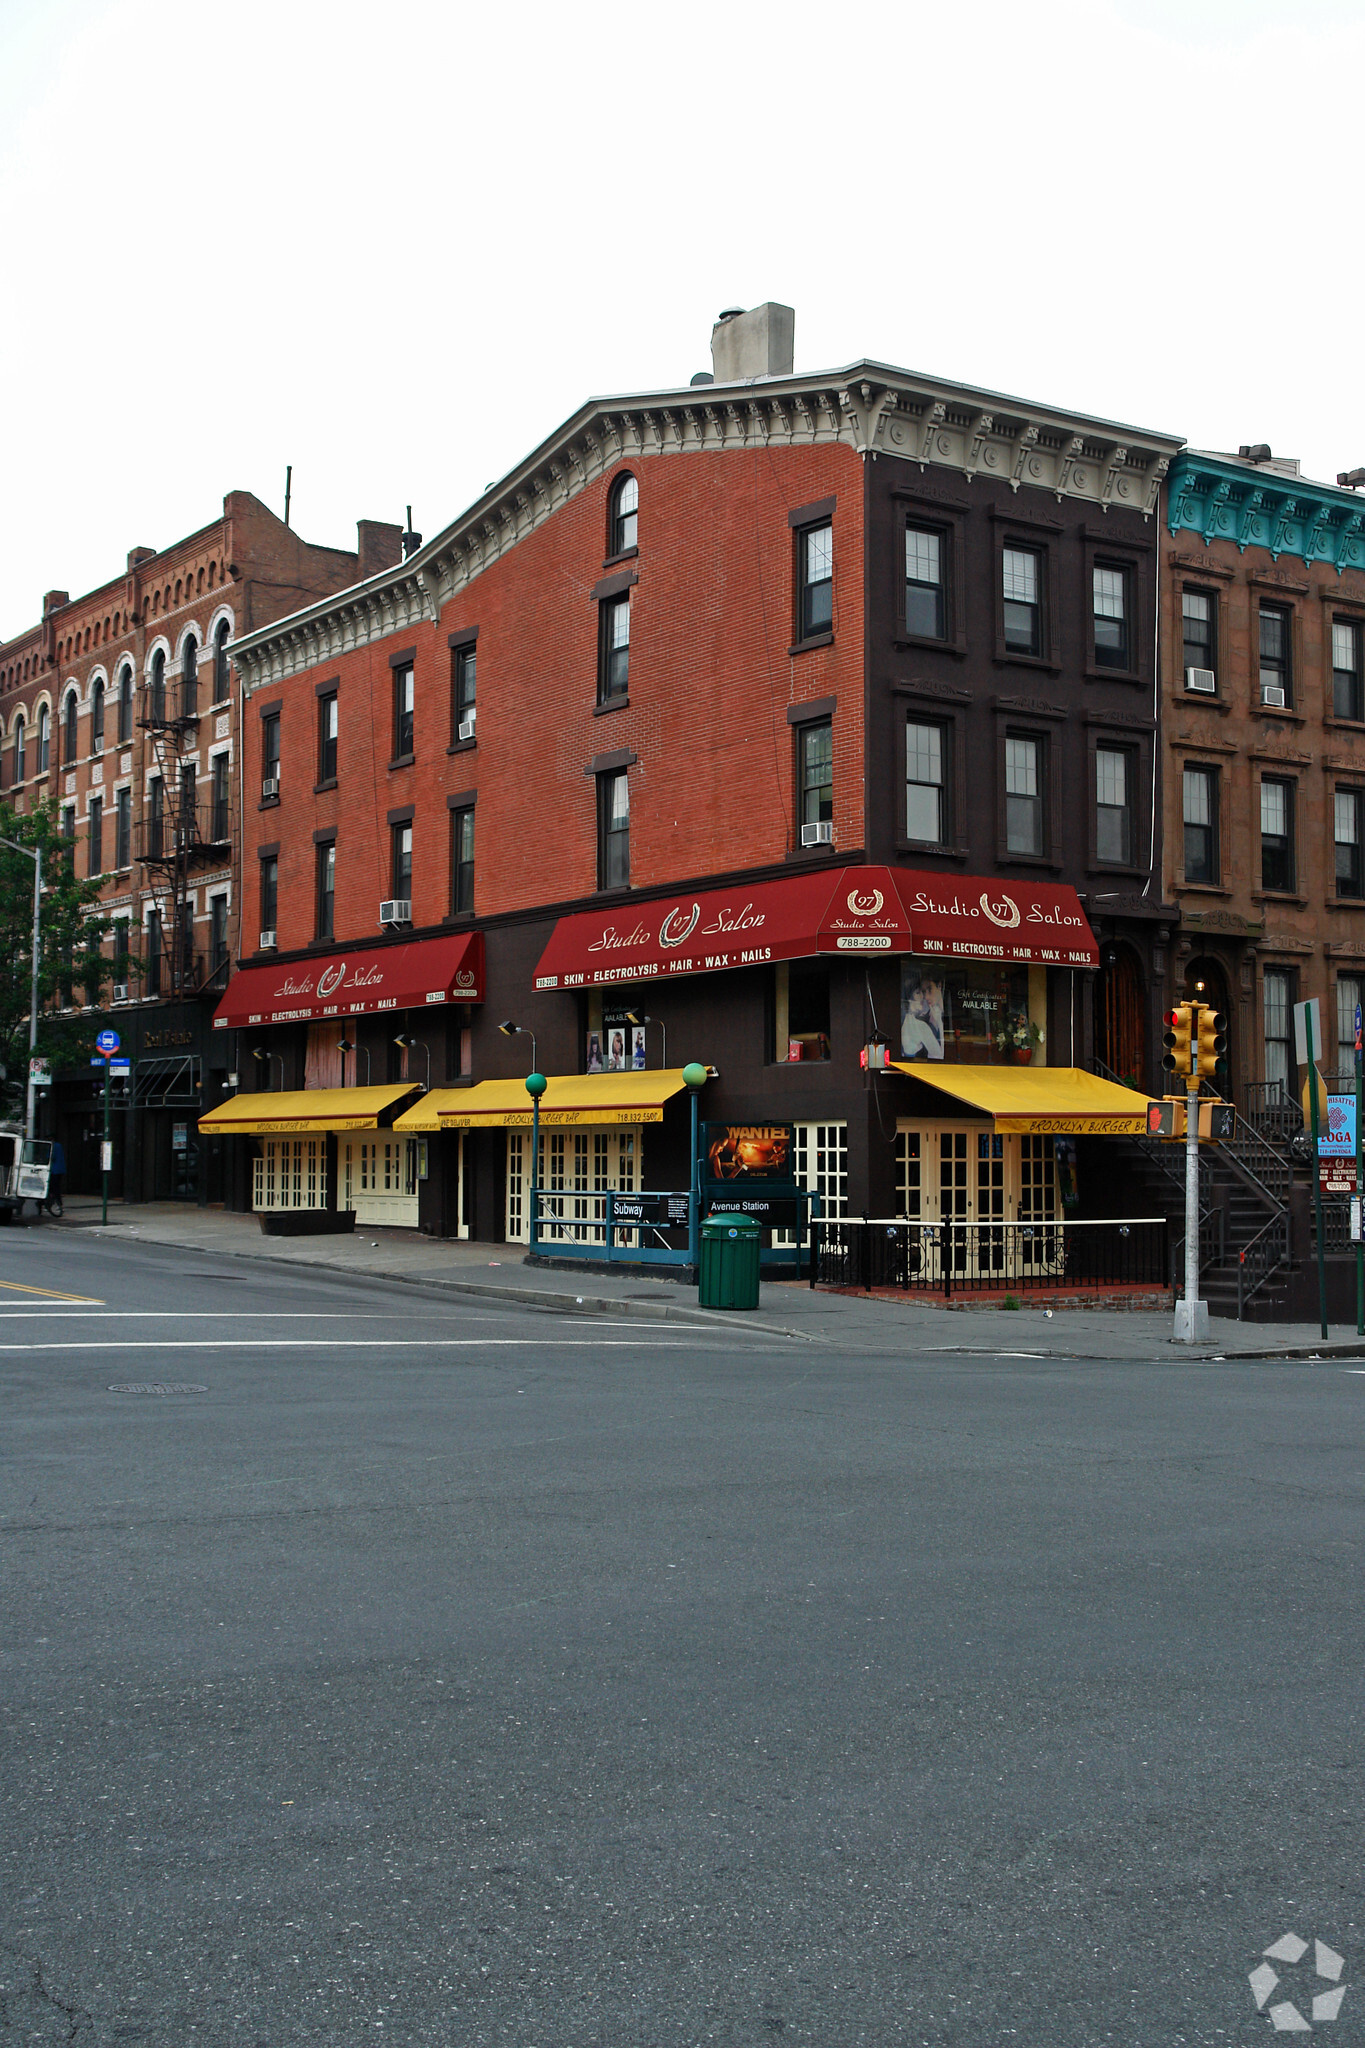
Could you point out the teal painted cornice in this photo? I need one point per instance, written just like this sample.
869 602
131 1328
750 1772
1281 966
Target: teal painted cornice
1259 509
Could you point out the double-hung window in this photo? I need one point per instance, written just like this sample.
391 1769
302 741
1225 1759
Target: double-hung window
1114 805
96 835
220 662
156 818
1347 808
613 830
1200 794
464 692
20 734
814 581
219 829
69 717
218 907
97 717
1277 833
625 511
1350 996
270 757
327 737
153 955
326 890
189 678
462 860
1022 600
44 761
156 689
1198 622
1109 599
403 702
401 864
1023 794
1276 681
613 677
1276 1015
123 828
1346 676
926 788
926 594
125 706
815 745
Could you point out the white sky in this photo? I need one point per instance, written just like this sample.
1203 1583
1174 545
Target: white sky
395 246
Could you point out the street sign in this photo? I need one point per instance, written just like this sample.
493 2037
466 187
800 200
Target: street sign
1301 1011
106 1156
1338 1141
124 1067
1358 1023
108 1041
1337 1176
40 1073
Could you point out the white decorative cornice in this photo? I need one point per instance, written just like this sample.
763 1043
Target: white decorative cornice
869 407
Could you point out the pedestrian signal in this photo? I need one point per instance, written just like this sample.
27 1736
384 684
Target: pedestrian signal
1160 1119
1217 1121
1177 1040
1212 1039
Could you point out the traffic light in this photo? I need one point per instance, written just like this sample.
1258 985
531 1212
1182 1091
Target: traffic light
1212 1039
1217 1121
1160 1119
1179 1033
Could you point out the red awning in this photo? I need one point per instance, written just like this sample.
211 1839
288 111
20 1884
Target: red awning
865 910
349 984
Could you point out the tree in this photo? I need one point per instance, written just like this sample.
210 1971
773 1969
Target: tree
71 962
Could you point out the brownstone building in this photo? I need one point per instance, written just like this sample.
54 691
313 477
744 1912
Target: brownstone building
120 705
1263 631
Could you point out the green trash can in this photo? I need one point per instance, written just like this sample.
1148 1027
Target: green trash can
729 1261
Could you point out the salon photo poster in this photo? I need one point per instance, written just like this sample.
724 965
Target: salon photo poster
962 1014
618 1048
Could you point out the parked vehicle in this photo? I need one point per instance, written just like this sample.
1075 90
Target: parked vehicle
25 1169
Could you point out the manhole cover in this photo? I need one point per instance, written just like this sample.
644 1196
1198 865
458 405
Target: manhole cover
157 1387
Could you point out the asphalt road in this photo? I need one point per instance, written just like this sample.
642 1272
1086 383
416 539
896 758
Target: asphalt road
452 1674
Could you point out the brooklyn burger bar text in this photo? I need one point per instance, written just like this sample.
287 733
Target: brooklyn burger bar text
842 910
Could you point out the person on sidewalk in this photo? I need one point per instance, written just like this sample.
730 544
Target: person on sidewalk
56 1179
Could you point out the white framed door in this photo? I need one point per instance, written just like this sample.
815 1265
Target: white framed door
577 1168
819 1163
974 1177
377 1173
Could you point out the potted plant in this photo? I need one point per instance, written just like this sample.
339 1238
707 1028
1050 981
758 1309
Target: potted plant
1018 1037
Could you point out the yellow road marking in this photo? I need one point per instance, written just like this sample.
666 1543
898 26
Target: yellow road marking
51 1293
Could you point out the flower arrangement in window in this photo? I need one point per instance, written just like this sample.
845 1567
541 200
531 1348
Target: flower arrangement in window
1019 1037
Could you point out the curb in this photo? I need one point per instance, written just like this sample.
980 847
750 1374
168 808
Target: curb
543 1298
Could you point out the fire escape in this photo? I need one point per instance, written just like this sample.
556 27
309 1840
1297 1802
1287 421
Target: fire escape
180 835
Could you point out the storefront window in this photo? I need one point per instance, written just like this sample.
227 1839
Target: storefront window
976 1015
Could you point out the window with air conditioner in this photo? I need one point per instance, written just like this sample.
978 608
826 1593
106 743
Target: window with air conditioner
1199 614
815 769
464 683
1276 690
269 900
270 756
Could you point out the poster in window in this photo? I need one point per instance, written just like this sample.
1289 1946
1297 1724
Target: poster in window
616 1049
974 1015
637 1052
594 1052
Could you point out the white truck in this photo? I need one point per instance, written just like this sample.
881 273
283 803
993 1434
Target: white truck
25 1170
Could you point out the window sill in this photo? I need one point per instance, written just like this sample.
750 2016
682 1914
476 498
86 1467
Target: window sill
1210 703
458 917
618 894
268 803
1278 896
815 640
1125 870
1344 724
610 704
1028 860
1286 717
1346 902
1207 888
462 746
626 555
402 761
932 847
907 642
1094 674
1040 662
329 782
815 854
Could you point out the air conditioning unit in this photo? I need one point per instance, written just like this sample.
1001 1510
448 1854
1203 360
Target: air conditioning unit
1201 679
97 745
467 728
267 942
818 835
120 991
399 911
270 786
1273 694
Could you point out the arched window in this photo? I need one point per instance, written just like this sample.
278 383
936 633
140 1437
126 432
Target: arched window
19 736
44 738
97 716
157 688
125 706
220 661
189 677
69 729
625 507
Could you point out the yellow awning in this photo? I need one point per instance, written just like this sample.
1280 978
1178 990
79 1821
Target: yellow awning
1067 1101
568 1099
425 1114
303 1109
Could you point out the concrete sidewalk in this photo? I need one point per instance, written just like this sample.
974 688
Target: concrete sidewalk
786 1309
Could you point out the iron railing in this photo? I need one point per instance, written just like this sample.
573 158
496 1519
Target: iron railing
1261 1258
1272 1111
958 1258
1336 1224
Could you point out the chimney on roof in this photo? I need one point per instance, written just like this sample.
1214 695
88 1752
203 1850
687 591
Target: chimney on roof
136 555
53 600
759 343
379 545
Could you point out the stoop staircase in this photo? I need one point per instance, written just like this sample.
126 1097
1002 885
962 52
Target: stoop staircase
1244 1245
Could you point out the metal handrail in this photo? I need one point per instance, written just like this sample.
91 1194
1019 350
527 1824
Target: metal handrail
1263 1256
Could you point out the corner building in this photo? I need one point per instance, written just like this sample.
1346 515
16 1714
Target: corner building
750 724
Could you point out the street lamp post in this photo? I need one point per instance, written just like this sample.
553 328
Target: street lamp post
416 1045
696 1077
638 1017
35 854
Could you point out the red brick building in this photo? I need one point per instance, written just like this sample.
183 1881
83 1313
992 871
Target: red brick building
677 652
122 706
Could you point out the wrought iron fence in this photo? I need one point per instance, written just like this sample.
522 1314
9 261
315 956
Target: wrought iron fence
952 1258
1336 1224
1272 1111
1261 1259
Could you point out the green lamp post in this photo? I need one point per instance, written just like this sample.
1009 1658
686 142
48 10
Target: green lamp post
696 1076
536 1085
